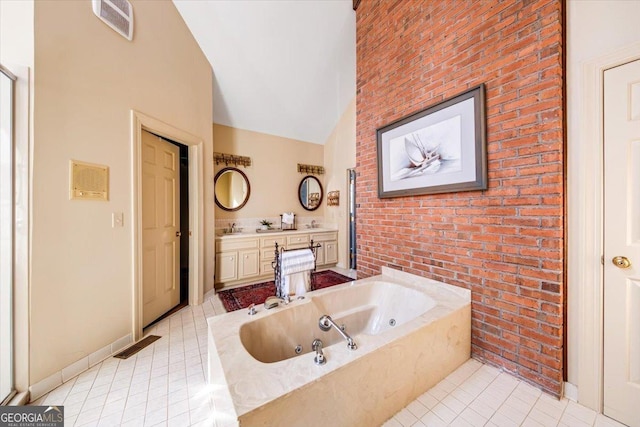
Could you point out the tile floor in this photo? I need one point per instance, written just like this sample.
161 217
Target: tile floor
165 385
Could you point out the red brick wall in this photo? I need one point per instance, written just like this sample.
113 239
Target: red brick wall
505 243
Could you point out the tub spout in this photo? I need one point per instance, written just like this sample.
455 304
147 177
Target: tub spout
326 322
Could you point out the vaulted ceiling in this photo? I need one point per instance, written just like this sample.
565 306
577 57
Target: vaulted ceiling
285 67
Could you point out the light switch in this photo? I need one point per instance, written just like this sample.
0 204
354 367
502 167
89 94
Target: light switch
117 219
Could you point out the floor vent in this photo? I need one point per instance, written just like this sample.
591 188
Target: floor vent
128 352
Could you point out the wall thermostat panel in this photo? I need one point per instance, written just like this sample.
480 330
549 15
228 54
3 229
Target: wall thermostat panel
88 181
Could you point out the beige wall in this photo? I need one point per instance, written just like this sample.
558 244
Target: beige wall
595 31
273 174
89 79
16 33
340 155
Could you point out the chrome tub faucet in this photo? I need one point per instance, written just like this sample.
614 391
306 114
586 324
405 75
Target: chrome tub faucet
325 323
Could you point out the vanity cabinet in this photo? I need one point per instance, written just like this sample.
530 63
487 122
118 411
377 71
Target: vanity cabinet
232 265
247 258
327 254
298 241
237 259
331 252
248 263
226 266
268 252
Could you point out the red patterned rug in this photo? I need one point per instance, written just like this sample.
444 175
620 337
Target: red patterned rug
244 296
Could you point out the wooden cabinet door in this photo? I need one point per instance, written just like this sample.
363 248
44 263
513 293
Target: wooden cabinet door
226 266
331 252
320 254
249 263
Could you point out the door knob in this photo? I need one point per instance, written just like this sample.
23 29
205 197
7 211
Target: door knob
178 233
621 262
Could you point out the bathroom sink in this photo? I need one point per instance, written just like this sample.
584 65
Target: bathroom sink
229 233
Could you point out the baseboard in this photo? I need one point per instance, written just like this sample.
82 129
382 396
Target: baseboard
209 294
19 399
571 391
43 387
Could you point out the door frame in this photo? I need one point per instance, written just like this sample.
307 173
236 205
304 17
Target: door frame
23 150
7 289
140 121
586 229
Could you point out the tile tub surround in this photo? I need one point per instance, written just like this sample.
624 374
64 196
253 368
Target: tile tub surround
389 369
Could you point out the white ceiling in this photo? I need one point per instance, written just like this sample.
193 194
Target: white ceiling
284 67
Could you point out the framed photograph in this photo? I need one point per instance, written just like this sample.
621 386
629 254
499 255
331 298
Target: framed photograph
441 149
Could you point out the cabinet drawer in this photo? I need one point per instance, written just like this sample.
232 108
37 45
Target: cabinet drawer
270 242
297 240
235 244
267 255
324 237
266 268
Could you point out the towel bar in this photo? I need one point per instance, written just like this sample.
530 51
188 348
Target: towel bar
276 265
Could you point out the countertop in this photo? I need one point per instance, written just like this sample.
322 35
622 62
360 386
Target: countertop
254 233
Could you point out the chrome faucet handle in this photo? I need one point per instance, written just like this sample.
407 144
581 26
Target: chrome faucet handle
351 345
252 310
325 323
319 359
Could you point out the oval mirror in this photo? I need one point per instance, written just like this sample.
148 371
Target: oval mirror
232 189
310 193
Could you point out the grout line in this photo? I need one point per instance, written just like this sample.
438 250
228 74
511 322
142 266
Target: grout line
110 386
458 414
530 409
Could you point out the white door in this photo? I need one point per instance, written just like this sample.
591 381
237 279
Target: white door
160 227
622 243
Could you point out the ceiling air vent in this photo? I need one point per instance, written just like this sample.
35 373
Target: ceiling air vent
118 14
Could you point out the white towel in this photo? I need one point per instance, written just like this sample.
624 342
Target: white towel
288 217
295 268
297 283
295 261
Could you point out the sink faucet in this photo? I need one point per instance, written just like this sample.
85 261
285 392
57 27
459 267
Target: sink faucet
325 323
232 227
